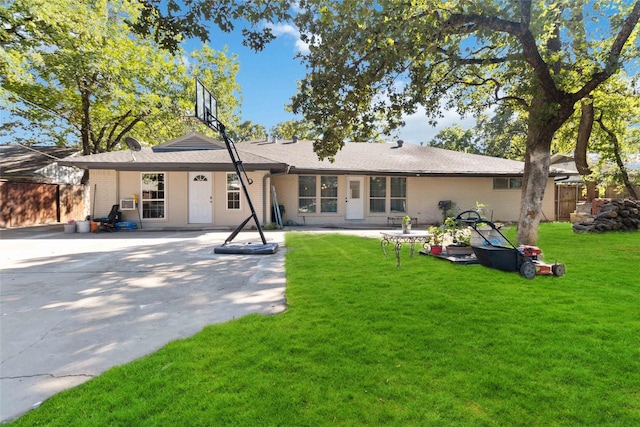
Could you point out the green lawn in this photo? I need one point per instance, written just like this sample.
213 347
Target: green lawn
430 343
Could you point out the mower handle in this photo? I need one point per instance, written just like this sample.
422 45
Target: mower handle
470 217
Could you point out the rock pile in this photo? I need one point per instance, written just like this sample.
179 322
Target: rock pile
616 215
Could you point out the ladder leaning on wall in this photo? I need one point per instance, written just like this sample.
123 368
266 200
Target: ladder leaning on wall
276 207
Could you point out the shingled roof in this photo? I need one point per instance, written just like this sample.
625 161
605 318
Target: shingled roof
27 163
384 158
189 152
199 152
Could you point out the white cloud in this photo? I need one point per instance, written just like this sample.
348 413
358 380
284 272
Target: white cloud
290 31
417 128
186 61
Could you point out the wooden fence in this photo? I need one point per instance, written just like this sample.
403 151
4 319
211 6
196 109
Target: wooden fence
24 203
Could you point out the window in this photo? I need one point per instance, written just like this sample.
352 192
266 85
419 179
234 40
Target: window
153 195
306 194
313 192
377 194
398 195
397 192
233 191
507 183
329 194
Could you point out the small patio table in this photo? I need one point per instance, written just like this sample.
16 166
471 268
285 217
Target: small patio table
398 238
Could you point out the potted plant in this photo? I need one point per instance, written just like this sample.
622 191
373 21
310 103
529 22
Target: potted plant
406 224
458 238
437 234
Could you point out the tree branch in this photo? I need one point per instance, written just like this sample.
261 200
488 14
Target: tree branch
127 128
521 31
613 59
474 61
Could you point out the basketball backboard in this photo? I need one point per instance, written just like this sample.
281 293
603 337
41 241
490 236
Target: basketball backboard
206 106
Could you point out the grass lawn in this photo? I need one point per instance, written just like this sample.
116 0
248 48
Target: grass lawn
430 343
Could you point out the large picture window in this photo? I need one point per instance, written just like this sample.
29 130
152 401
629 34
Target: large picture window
385 192
153 195
233 191
316 191
377 194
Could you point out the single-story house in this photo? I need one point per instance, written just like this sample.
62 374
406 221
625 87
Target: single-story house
191 182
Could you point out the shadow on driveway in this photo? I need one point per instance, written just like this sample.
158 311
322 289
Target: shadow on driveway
74 305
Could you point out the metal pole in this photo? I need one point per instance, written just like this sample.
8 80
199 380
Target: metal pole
240 171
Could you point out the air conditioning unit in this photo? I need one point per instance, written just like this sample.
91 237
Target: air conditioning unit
127 205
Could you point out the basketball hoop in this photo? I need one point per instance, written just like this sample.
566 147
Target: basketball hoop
206 110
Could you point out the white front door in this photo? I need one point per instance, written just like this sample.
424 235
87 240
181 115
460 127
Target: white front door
355 198
200 200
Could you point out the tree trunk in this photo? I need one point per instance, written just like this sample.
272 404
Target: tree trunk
86 121
545 118
536 173
584 133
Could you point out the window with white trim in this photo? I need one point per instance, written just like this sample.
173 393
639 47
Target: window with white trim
153 195
233 191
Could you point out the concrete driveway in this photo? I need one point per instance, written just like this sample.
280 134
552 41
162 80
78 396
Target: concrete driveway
74 305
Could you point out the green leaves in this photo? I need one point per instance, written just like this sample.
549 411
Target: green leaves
77 76
299 128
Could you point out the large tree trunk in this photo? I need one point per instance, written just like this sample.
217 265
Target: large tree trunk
544 120
536 174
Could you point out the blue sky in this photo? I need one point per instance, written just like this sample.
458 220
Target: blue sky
268 80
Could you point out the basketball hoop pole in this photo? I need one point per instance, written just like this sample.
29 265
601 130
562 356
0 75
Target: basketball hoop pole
206 110
242 174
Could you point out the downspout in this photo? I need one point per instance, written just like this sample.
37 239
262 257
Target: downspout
264 191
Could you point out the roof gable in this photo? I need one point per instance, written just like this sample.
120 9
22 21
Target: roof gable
193 141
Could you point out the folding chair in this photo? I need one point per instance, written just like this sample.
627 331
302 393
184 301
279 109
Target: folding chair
109 223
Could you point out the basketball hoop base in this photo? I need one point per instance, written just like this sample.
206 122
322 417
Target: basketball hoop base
247 249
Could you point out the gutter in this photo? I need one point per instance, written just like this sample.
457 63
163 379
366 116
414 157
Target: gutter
264 191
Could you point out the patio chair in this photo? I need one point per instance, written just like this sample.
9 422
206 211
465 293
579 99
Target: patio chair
109 223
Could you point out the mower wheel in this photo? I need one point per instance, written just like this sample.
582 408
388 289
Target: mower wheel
558 269
528 270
